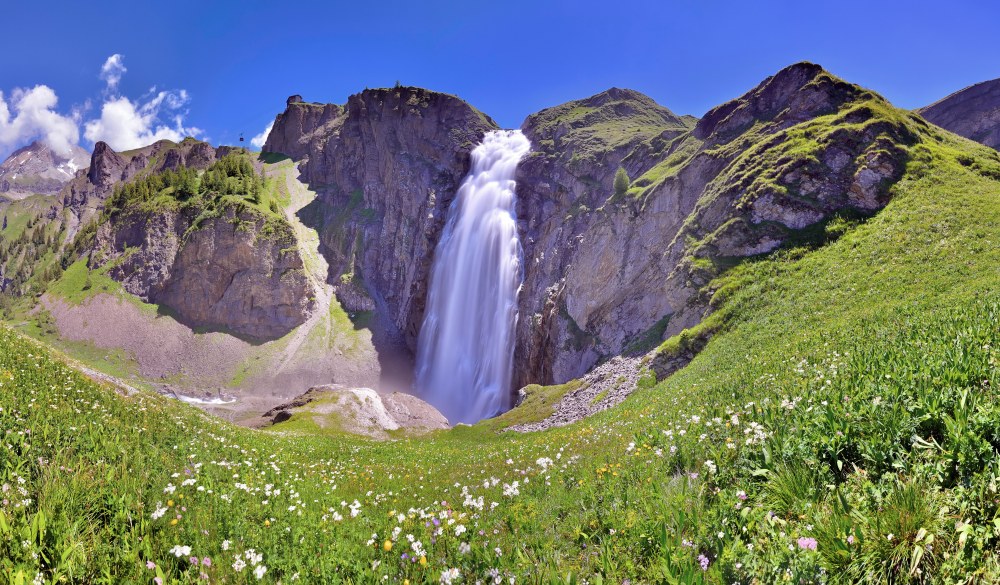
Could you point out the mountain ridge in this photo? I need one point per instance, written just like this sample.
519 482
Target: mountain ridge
38 169
606 272
972 112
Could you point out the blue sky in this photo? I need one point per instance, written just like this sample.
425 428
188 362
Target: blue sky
221 67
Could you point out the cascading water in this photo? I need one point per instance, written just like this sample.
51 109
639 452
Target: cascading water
466 346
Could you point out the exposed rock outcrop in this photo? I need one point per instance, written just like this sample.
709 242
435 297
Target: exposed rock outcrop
300 130
576 149
360 411
106 167
973 112
227 272
602 269
606 386
231 267
85 194
386 165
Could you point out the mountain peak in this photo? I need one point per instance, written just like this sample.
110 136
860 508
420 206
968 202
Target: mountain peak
105 165
618 94
612 118
973 112
798 92
37 168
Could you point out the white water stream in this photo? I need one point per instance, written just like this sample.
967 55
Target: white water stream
466 346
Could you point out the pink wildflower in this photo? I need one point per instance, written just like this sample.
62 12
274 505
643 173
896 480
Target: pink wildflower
703 561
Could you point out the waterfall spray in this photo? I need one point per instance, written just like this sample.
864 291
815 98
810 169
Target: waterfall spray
466 346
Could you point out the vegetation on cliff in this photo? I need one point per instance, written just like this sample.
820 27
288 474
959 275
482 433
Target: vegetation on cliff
232 181
27 241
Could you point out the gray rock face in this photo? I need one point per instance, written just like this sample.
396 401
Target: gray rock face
386 165
303 126
226 274
973 112
606 386
37 168
106 167
602 269
576 150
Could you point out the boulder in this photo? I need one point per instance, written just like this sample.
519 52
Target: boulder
361 411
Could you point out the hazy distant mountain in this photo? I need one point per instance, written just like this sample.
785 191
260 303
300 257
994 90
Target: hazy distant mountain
973 112
36 168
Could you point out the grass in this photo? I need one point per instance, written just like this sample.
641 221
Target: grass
339 332
231 189
680 152
112 361
538 404
79 283
602 123
17 214
29 244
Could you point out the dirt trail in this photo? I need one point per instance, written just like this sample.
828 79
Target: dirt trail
315 264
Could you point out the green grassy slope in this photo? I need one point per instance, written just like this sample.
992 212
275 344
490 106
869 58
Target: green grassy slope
27 243
612 120
841 427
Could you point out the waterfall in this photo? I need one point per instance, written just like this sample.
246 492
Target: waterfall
466 346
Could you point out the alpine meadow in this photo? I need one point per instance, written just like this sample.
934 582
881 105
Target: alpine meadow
391 340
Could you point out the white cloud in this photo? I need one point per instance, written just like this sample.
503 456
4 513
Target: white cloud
125 124
35 118
30 114
259 140
112 71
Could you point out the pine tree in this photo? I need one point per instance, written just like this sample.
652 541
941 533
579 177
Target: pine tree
621 182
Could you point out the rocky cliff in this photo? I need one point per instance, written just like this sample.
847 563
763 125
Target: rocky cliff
576 150
81 199
301 130
216 251
225 273
386 166
605 270
973 112
86 193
